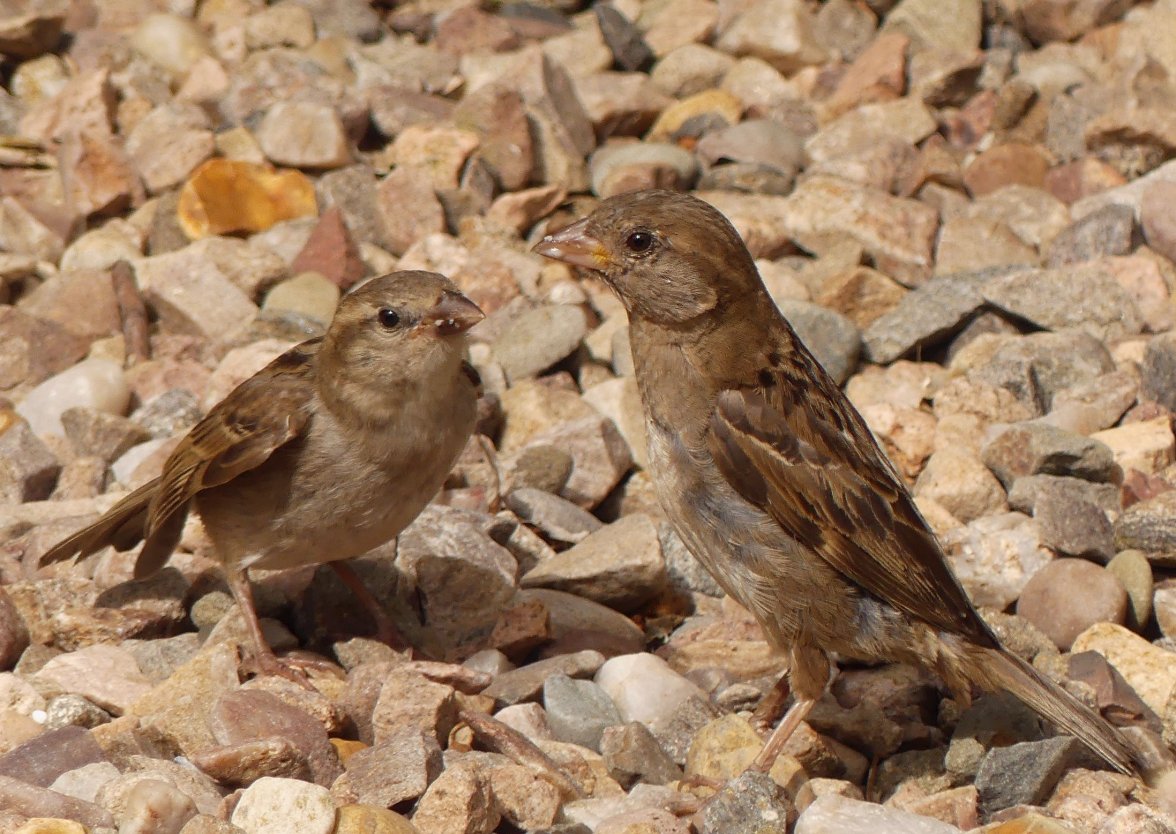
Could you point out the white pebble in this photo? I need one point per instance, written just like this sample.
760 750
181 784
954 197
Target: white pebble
278 806
92 383
645 688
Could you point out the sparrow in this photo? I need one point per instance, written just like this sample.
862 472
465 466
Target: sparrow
774 481
329 451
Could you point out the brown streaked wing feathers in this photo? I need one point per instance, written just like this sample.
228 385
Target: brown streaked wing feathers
120 526
234 437
858 518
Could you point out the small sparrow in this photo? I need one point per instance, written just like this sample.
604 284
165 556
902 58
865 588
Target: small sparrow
329 451
773 480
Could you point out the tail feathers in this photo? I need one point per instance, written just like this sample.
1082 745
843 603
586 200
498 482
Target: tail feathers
1006 671
121 526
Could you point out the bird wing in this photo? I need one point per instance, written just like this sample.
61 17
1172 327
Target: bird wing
811 463
240 433
120 526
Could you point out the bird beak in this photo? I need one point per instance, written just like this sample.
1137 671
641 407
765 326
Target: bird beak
453 314
573 245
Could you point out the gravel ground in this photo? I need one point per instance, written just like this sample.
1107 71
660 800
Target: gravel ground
963 206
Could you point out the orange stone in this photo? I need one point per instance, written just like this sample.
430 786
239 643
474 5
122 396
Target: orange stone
224 196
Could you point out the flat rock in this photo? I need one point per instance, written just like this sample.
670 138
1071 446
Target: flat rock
620 565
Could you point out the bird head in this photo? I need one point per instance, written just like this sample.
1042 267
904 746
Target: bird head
405 325
670 257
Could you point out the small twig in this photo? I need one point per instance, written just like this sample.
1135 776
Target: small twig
132 312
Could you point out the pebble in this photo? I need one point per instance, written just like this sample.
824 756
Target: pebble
994 557
1149 526
106 675
1134 573
397 769
833 814
526 682
1067 596
366 819
749 803
923 317
155 807
578 711
252 715
1037 448
460 801
275 806
97 384
632 754
556 518
644 688
961 484
619 565
1023 774
539 338
1147 668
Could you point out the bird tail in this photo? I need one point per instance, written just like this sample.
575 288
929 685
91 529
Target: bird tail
121 526
1004 671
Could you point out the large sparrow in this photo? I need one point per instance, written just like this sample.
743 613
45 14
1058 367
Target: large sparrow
330 450
772 478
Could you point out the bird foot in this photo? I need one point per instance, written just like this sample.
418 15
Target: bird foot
296 667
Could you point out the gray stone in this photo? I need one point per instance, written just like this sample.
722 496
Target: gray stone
1108 231
1070 522
1025 492
538 338
28 469
1086 297
632 754
1158 371
556 518
749 803
1036 448
924 317
1150 526
1038 366
1023 774
526 682
992 718
578 711
620 565
833 339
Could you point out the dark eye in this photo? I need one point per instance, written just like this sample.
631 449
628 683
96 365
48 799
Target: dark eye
639 242
388 317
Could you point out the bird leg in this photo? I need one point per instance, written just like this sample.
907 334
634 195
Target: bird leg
796 714
771 706
809 674
386 630
264 661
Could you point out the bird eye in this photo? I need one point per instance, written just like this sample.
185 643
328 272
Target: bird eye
639 242
388 317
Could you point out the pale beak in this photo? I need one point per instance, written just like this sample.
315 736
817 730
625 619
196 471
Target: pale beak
573 245
453 314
